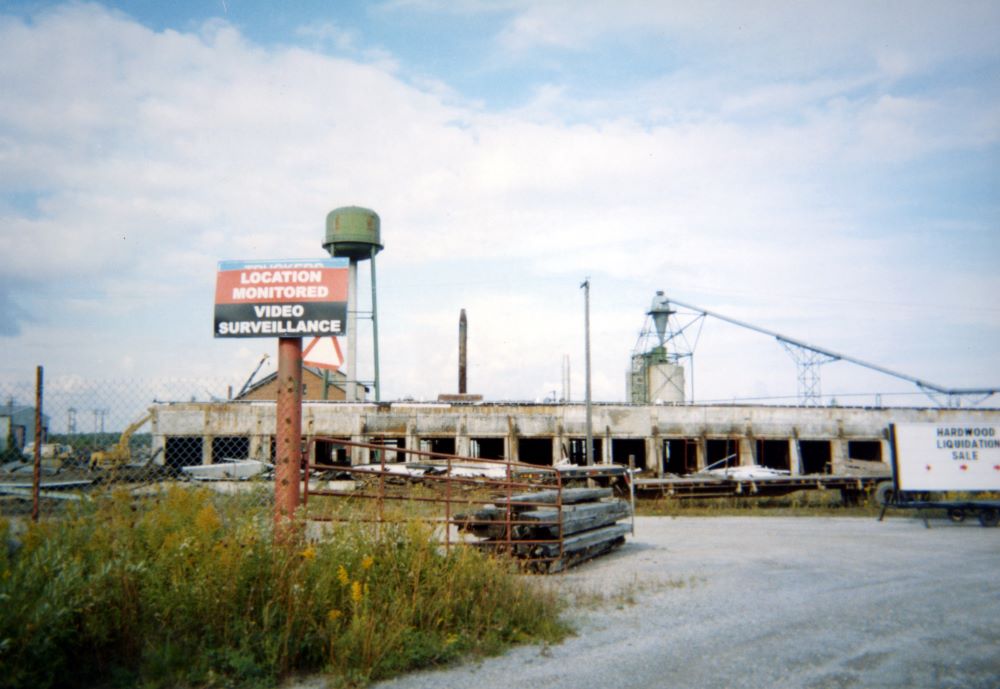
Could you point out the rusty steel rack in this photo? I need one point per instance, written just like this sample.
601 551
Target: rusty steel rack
493 494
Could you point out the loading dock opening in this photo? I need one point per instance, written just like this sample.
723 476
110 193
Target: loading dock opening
182 451
722 452
537 451
488 448
622 448
578 450
445 446
865 450
773 454
329 452
816 456
393 449
680 456
230 447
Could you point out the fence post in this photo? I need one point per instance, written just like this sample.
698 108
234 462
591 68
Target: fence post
36 477
288 433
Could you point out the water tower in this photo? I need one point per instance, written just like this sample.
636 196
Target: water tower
656 374
355 233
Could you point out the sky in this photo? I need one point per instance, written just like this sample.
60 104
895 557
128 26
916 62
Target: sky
829 171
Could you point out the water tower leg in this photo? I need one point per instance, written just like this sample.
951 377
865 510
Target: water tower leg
352 331
378 384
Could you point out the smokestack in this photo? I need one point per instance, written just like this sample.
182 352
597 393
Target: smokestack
462 333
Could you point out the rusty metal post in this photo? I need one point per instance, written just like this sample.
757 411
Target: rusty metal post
288 433
36 477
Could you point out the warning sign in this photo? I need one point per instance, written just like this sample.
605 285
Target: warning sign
323 352
947 456
281 298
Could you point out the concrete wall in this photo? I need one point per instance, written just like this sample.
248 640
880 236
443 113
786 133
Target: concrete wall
622 429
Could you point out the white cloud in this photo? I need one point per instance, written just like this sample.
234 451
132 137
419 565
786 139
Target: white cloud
326 32
785 38
155 154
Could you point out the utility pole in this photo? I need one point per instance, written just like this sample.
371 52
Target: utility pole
565 379
463 332
585 286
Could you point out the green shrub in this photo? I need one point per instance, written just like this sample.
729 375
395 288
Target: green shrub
192 590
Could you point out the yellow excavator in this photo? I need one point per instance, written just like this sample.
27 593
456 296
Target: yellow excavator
118 454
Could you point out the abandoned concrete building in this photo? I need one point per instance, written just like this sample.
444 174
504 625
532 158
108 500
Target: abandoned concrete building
662 439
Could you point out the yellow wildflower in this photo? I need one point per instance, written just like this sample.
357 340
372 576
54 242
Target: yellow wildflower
367 561
207 520
309 553
343 576
356 593
334 614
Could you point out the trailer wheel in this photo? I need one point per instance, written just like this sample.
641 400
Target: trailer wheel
989 516
884 494
956 514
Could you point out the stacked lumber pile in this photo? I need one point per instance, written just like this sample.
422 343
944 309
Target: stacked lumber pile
550 533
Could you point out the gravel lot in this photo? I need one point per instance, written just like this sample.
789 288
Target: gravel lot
770 602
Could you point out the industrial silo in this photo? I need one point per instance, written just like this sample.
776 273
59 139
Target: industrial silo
655 376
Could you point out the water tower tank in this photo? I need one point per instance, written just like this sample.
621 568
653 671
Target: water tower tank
352 232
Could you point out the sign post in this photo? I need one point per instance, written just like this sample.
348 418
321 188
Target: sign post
288 299
288 434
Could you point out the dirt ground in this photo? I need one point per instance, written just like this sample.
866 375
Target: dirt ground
747 602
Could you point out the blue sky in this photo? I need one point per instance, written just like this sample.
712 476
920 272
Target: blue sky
826 170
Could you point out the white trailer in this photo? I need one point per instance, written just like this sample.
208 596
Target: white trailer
953 466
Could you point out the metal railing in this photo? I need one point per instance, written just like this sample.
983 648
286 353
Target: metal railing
501 506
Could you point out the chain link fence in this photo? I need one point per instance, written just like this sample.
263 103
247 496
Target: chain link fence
98 435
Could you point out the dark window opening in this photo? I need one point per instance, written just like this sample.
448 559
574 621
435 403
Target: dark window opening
720 453
680 456
622 448
394 451
329 452
488 448
445 446
816 456
536 451
773 454
578 451
182 451
866 450
230 448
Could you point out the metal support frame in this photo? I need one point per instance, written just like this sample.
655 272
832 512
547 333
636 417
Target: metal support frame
825 356
807 362
676 343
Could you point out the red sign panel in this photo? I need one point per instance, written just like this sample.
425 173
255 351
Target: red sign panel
281 298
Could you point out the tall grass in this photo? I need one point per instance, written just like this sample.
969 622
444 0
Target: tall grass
191 590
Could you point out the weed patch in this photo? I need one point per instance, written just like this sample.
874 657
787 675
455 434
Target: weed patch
190 590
